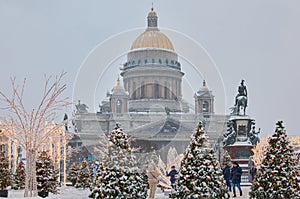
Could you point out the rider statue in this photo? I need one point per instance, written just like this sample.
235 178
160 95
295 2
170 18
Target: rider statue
242 92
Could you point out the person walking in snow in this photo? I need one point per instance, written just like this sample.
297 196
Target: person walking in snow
153 174
235 177
172 174
226 174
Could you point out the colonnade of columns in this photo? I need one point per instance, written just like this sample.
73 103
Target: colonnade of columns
143 88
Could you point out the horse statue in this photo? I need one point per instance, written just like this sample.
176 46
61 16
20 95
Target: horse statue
241 104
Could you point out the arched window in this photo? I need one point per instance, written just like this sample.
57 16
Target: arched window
166 90
205 107
134 91
119 106
156 90
143 90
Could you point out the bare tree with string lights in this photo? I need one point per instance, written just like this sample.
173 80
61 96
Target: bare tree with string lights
26 126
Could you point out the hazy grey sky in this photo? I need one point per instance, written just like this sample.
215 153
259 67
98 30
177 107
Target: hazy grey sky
255 40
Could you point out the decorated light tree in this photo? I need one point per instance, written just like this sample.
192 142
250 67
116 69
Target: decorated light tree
226 159
84 176
46 174
258 151
200 175
19 177
25 126
4 173
73 172
277 177
118 176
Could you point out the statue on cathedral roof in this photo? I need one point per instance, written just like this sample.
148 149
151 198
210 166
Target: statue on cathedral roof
81 108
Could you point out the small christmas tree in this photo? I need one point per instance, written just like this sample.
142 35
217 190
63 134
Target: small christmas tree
118 176
277 177
200 174
84 176
19 177
73 173
46 174
226 159
5 179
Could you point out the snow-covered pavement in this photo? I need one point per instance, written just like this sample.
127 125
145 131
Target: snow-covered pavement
72 193
161 195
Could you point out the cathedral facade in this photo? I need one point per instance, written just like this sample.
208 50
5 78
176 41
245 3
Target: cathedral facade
148 101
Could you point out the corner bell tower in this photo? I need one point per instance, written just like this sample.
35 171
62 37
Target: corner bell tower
204 101
118 99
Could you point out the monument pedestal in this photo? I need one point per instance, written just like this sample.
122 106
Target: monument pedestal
241 153
239 143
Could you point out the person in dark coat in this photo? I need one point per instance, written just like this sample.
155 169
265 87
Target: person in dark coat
172 174
235 177
226 174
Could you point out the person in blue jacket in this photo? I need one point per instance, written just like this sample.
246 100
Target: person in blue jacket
226 174
172 174
235 177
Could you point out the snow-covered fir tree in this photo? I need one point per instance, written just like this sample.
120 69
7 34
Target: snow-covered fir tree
84 176
18 181
118 176
73 172
46 174
226 159
277 177
5 179
200 174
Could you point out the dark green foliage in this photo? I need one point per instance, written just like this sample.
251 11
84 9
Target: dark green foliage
73 172
118 175
19 177
277 177
84 176
46 175
5 179
200 174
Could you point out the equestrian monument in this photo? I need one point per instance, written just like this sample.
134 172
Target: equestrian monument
241 135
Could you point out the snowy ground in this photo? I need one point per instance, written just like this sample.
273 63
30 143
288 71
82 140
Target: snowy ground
72 193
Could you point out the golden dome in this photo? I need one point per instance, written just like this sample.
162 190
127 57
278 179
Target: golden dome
152 37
